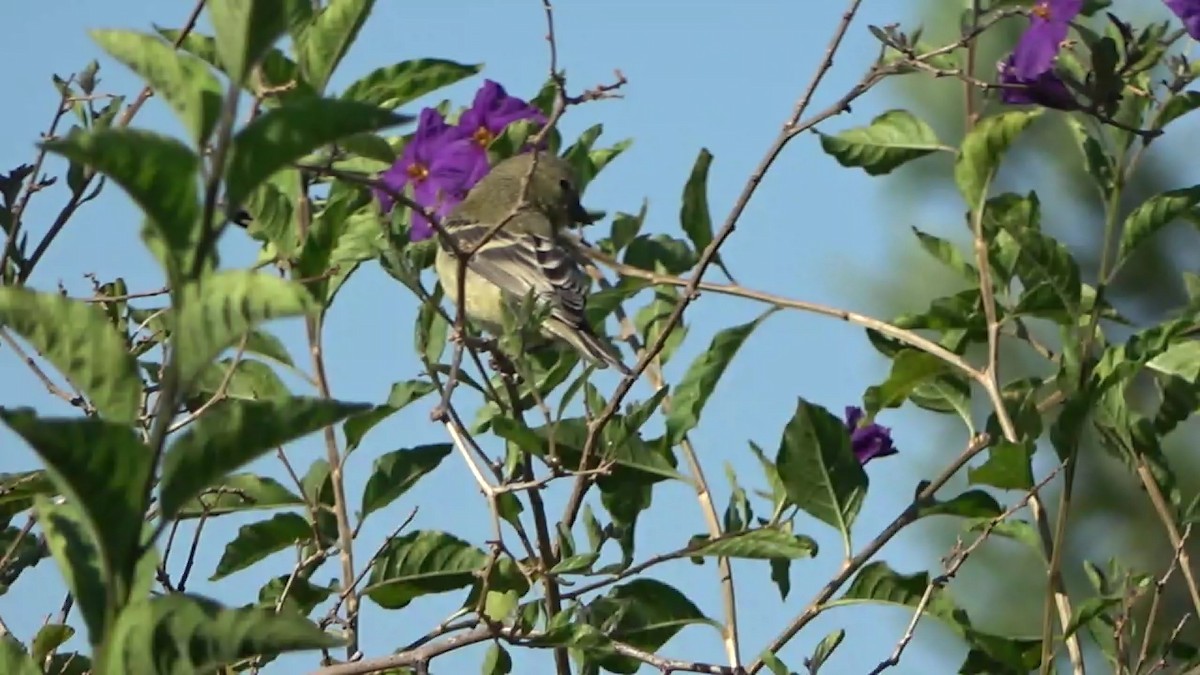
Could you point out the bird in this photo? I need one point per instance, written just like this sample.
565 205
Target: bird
529 256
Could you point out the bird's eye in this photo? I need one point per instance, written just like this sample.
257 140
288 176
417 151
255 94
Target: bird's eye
565 185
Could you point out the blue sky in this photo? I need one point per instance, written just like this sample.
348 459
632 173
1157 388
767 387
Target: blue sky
706 74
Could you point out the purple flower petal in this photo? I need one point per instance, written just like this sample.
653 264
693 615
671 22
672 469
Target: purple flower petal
492 111
1046 89
870 440
1188 11
1038 46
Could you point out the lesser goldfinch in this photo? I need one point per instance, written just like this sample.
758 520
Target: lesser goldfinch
527 256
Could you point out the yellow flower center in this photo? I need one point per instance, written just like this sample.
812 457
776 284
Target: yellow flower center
418 172
483 137
1042 10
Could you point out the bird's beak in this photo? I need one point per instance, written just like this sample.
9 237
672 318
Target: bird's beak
578 214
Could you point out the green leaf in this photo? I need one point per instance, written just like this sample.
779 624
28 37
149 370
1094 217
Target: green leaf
74 547
259 540
244 378
1152 215
402 394
1177 106
877 582
184 633
1007 467
1045 266
421 563
694 214
245 31
947 254
394 473
576 564
239 492
183 81
77 338
265 344
276 72
157 171
701 378
982 150
1181 359
281 136
819 469
824 649
644 613
220 308
14 660
49 638
321 45
235 432
104 470
767 543
393 86
1096 160
892 139
303 595
970 504
910 369
335 248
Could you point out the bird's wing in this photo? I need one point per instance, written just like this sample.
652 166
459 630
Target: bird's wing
521 262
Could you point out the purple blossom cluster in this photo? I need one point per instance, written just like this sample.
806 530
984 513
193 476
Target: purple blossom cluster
867 440
1028 75
442 162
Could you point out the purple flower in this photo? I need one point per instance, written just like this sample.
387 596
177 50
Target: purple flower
867 440
492 111
440 164
1188 11
1028 74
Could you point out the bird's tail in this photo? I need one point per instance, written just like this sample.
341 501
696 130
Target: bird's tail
586 342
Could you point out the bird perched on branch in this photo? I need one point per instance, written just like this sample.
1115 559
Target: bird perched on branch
534 195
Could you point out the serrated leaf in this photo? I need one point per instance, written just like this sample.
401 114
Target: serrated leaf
892 139
278 137
394 473
983 149
767 543
818 467
321 45
103 469
233 433
400 83
158 172
183 633
701 378
74 547
420 563
77 338
1154 214
182 80
245 31
256 541
220 308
